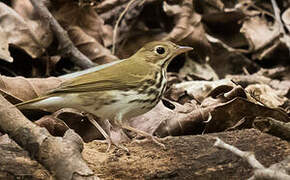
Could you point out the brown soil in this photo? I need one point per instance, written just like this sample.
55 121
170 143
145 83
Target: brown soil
186 157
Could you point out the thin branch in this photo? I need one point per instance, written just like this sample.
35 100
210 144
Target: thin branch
61 156
117 24
259 170
67 46
281 27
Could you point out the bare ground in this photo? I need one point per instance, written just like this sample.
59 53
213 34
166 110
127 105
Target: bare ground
186 157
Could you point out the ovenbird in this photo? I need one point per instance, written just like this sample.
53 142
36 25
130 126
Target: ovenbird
117 92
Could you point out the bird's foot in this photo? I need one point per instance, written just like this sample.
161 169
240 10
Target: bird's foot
150 138
147 135
109 142
154 139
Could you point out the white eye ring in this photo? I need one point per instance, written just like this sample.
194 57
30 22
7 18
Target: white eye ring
159 50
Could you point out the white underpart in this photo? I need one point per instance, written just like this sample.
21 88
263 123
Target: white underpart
123 105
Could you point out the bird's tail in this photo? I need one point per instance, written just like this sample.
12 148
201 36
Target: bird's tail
30 104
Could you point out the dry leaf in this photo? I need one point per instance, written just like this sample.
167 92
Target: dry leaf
227 115
4 51
19 32
260 35
89 46
30 87
198 89
197 71
227 60
286 18
188 28
69 14
184 119
268 96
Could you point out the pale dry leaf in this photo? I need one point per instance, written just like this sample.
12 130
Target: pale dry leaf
214 117
200 89
188 28
18 32
184 119
201 71
89 46
69 14
286 18
218 4
30 87
40 29
260 34
4 51
268 96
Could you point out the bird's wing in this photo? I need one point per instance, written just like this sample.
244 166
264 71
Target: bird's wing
116 77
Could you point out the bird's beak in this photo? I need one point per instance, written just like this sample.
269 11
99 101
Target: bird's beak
183 49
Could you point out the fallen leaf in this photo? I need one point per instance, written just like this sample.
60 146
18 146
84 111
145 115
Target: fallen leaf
199 90
286 18
188 29
266 95
19 32
228 60
261 35
4 51
197 71
30 87
89 46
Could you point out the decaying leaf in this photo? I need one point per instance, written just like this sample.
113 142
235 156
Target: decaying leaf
230 113
4 52
184 119
89 46
283 86
86 29
286 18
228 60
19 32
60 121
224 107
30 87
199 90
188 28
260 34
268 96
197 71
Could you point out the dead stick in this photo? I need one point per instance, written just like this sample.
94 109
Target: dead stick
260 171
67 45
61 156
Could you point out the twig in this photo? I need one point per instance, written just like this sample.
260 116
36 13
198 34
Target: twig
117 24
259 170
61 156
68 48
281 27
277 15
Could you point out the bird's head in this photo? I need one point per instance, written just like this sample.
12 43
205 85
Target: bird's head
160 52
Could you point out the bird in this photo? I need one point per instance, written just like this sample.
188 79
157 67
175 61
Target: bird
117 92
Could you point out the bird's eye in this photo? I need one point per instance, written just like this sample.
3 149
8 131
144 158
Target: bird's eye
160 50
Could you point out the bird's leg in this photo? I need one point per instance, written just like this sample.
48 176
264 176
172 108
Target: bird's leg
102 131
106 135
119 122
144 134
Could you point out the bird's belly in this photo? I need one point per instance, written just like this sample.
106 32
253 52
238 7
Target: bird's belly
129 104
